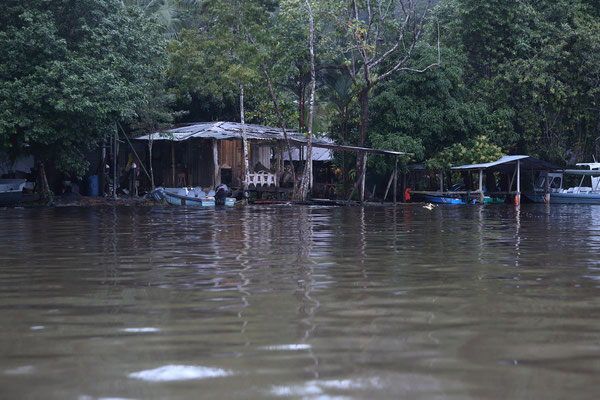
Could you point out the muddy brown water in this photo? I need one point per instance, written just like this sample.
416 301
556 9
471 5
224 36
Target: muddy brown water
300 302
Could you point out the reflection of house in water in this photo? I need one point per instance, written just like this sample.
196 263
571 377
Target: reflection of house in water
209 153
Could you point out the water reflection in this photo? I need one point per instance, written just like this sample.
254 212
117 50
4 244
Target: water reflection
306 282
300 302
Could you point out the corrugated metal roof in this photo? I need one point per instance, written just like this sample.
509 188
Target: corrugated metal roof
223 130
507 162
318 154
233 130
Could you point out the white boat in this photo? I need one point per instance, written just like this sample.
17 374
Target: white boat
11 191
574 195
189 197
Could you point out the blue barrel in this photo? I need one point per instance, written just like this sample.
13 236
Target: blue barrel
92 185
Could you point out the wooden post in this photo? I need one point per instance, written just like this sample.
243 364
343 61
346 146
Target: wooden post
470 181
173 164
280 166
102 169
518 197
312 174
358 182
115 155
277 170
387 189
512 179
404 186
547 188
217 174
245 146
481 197
441 181
395 178
362 185
188 163
132 185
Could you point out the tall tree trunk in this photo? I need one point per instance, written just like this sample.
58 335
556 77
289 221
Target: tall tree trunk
303 191
244 142
301 105
102 170
363 99
410 27
281 123
45 192
150 144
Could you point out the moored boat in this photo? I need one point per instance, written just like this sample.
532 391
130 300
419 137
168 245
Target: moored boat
442 199
573 195
189 197
11 191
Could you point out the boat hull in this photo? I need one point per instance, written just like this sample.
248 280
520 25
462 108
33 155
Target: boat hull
11 191
446 200
493 200
566 198
10 198
180 200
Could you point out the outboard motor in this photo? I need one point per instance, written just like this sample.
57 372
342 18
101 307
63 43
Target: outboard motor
221 193
158 194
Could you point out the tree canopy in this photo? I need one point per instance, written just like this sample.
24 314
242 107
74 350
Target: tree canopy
69 71
517 76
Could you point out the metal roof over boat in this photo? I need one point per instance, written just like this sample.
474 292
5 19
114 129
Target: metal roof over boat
507 163
233 130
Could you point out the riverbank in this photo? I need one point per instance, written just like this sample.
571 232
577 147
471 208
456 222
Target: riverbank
77 200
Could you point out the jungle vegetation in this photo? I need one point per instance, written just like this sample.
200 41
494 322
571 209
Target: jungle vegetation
451 81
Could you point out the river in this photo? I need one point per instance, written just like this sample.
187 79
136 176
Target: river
300 302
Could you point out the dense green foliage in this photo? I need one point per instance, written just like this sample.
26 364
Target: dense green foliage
516 76
545 88
69 71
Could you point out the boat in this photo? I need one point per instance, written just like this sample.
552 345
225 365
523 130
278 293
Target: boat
444 199
493 200
449 198
189 197
11 191
573 195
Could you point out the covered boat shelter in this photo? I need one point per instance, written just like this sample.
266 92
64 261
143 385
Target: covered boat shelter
210 153
510 165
